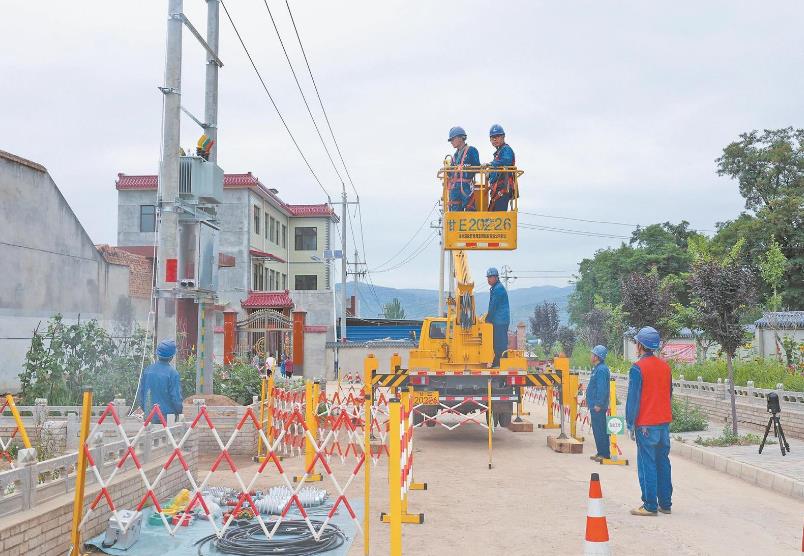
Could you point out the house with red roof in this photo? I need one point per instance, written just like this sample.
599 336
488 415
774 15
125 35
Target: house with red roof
270 251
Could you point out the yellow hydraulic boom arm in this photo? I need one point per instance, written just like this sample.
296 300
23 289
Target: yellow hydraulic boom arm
465 291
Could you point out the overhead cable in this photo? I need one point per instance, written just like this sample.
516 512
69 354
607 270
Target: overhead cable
271 98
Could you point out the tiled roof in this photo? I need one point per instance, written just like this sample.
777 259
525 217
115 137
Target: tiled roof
265 255
782 319
149 182
258 300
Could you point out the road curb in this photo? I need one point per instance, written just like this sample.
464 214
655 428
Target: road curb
745 471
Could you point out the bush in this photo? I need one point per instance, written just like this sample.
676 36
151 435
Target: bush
582 352
728 438
66 358
687 418
766 373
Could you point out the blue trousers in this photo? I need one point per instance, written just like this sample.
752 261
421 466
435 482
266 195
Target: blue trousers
653 466
599 431
460 196
501 204
500 343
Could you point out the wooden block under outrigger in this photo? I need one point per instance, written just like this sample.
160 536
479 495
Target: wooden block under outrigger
565 445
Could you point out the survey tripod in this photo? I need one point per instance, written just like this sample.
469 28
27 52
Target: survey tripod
777 432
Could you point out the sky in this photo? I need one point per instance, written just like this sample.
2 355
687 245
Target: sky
616 110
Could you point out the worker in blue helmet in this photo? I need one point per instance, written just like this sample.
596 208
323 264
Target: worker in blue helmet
501 184
160 384
498 315
597 402
648 413
462 184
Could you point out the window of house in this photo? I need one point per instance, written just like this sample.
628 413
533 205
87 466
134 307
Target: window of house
271 280
259 278
306 240
284 236
273 228
306 281
256 219
147 218
266 226
284 281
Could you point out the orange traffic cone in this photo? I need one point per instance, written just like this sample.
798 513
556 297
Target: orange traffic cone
597 532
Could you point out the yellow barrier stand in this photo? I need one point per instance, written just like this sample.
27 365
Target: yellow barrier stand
574 384
396 362
263 391
81 473
614 459
490 419
369 368
311 390
269 417
20 426
551 424
406 404
395 476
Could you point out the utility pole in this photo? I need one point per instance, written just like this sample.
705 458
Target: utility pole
507 275
344 215
356 274
167 254
440 227
186 285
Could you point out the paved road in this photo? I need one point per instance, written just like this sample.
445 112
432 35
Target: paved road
534 502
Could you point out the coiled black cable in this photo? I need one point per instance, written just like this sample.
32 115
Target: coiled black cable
292 538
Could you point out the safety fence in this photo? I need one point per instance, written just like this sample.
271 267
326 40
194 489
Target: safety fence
296 420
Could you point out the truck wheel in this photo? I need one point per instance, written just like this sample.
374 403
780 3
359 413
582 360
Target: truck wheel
502 419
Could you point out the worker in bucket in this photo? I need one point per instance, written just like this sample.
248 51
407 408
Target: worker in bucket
648 414
597 401
501 184
498 315
160 383
462 184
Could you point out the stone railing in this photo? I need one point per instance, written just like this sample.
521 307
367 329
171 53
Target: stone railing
791 400
34 482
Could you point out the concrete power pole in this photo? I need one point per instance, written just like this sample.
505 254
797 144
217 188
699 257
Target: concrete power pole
507 275
344 215
167 254
440 227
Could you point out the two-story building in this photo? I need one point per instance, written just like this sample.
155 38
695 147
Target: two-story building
270 252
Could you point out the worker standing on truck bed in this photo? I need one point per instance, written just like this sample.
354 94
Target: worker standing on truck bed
501 184
462 184
597 401
648 412
498 315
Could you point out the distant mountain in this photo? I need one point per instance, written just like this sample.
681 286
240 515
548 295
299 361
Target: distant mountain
420 303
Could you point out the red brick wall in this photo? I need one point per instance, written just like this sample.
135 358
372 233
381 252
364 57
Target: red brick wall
140 271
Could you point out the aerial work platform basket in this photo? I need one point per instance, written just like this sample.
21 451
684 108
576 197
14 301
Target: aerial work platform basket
478 228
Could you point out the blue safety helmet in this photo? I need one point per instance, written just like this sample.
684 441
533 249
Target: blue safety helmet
601 352
456 131
496 129
492 272
648 337
166 349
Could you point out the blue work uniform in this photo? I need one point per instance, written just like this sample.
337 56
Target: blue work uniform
648 413
160 386
501 184
462 184
499 316
597 394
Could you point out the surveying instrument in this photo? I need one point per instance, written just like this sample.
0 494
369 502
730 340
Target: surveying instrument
774 408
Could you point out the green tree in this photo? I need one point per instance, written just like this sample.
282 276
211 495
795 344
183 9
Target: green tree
772 267
648 302
393 309
566 337
769 169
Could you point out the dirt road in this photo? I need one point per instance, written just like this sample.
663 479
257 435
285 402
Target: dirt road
534 501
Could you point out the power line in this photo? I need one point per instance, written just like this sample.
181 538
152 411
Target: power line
570 231
579 219
301 92
419 250
408 242
271 98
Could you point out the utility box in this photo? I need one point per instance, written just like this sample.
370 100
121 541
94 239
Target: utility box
123 533
200 179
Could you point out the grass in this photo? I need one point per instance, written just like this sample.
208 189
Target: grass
728 438
687 418
766 373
